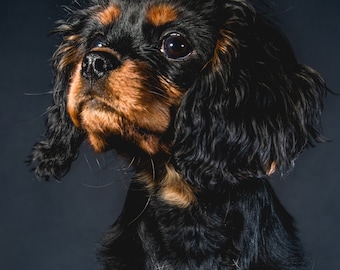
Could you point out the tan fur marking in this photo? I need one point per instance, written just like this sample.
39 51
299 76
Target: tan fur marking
135 102
75 88
175 190
98 145
147 178
272 169
72 38
174 93
109 15
227 46
161 14
126 104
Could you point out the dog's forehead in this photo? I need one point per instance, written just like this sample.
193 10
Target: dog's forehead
156 13
134 12
130 25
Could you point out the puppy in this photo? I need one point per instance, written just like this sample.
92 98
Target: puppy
208 100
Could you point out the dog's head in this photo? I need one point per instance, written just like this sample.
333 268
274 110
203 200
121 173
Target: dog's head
212 85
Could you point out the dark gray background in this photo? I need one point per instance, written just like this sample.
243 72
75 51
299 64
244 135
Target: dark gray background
58 225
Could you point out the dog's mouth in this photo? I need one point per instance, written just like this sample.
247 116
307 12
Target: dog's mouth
103 122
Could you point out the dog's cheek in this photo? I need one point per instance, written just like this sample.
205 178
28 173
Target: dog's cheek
141 97
74 90
132 94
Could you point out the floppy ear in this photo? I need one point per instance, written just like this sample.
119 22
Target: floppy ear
53 154
253 109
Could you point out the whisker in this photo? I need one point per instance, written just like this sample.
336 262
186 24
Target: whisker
156 90
87 162
37 115
226 213
143 210
130 164
98 186
153 169
47 111
39 93
288 9
98 163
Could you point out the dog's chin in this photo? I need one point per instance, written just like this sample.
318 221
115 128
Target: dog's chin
148 143
108 129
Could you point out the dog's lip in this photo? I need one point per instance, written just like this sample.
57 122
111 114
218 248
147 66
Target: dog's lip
97 103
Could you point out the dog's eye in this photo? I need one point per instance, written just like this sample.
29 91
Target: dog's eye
97 42
175 46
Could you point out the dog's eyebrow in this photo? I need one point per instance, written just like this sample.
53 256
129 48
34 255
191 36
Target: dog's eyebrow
109 14
160 14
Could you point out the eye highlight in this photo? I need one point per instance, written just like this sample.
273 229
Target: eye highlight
176 46
97 42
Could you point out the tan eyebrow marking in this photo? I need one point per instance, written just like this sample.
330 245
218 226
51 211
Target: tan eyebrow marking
109 14
161 14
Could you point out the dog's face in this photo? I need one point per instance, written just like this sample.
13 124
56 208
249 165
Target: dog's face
131 65
212 86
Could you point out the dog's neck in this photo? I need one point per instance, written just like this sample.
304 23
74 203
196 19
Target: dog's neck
169 184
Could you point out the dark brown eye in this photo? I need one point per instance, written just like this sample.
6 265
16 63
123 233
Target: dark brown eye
97 42
175 46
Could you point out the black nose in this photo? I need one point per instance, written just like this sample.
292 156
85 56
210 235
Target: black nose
96 64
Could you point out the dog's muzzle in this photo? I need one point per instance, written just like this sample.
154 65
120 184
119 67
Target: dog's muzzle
96 64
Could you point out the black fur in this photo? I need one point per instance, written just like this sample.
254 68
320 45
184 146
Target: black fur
247 108
246 228
54 154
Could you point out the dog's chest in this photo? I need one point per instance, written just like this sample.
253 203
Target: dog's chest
187 239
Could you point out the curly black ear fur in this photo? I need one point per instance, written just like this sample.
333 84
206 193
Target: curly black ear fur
54 154
253 109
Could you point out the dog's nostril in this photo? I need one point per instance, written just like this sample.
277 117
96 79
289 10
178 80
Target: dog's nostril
96 64
100 65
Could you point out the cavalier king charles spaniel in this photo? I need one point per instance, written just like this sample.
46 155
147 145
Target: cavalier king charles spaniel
208 100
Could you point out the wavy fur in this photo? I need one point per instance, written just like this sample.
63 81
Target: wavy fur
206 122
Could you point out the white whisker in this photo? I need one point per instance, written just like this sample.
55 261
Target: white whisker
98 163
87 162
130 164
39 94
141 213
153 169
99 186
